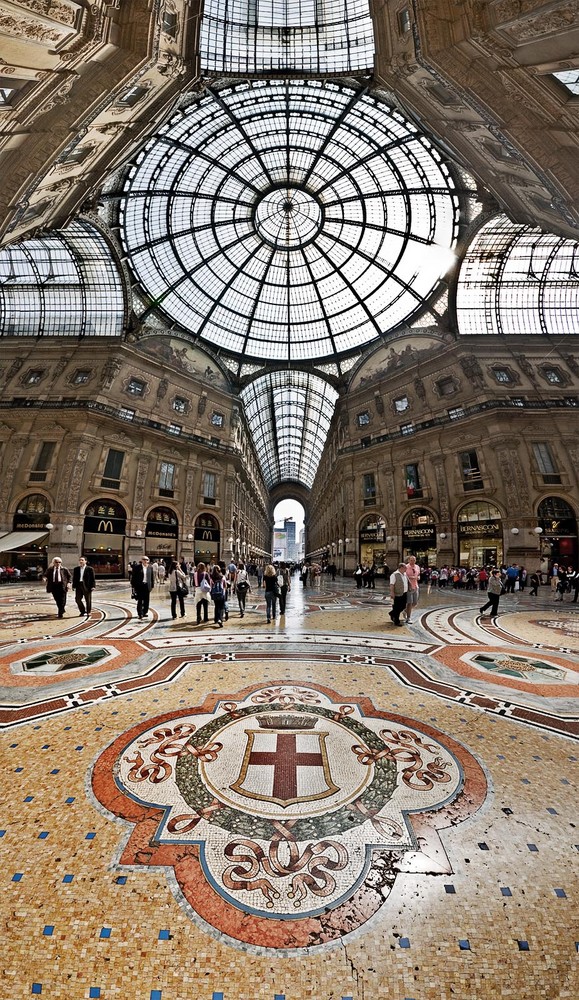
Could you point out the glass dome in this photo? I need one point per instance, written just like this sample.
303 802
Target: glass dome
289 221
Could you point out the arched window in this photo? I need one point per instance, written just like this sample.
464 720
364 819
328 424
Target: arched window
477 511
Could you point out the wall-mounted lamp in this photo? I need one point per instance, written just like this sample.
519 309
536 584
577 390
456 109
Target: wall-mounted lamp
347 540
49 526
514 531
230 540
138 532
538 530
442 535
69 528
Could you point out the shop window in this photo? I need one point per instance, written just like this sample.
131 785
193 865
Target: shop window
470 471
546 463
112 472
43 462
413 484
167 479
369 489
35 503
136 387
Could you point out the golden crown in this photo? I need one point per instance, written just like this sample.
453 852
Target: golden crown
287 721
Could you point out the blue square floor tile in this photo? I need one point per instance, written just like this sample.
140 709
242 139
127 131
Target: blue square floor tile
464 945
95 991
523 945
68 878
48 930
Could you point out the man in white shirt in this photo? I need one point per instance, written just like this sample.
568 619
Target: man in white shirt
83 583
398 592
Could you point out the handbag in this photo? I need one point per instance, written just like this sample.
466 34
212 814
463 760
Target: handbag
183 589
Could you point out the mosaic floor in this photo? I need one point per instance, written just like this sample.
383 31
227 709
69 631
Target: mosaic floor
324 808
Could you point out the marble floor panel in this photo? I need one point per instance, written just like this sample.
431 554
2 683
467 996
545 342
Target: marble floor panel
326 807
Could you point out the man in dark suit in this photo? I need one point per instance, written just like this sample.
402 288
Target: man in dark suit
57 583
142 581
83 583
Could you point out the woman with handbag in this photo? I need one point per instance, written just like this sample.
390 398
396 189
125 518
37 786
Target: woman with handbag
177 588
271 592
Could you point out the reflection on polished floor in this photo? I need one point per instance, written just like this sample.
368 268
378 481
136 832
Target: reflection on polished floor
329 807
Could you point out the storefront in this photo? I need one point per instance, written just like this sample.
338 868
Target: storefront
372 542
25 547
419 536
480 534
103 540
162 535
559 538
207 537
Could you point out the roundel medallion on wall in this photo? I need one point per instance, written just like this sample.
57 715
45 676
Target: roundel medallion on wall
290 805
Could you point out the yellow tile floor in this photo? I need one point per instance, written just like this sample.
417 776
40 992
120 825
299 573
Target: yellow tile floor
78 924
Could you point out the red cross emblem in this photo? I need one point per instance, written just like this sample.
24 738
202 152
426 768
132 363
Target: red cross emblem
285 767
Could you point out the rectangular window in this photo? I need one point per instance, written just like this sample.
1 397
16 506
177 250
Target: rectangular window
34 377
80 377
209 484
407 429
503 375
404 23
413 485
470 471
136 387
43 462
456 413
401 404
175 429
112 472
125 413
179 405
363 419
546 463
166 479
369 489
517 401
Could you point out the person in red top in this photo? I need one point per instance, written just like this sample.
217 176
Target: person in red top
413 574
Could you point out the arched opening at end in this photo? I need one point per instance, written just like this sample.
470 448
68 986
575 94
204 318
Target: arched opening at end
289 531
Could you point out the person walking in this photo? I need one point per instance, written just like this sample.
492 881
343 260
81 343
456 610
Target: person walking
494 591
177 588
57 584
573 583
83 584
142 582
534 591
398 592
218 597
242 587
202 583
271 592
284 584
413 592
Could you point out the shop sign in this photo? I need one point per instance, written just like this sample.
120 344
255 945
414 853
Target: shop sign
427 533
164 531
482 529
372 535
105 525
206 535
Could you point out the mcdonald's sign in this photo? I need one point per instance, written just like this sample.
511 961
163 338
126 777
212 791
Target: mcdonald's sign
105 526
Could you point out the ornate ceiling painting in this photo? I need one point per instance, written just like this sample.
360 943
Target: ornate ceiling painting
284 814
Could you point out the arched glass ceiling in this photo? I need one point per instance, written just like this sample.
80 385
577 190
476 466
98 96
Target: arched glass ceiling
63 284
289 220
269 36
289 416
518 280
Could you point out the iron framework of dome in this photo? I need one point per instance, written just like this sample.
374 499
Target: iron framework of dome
289 221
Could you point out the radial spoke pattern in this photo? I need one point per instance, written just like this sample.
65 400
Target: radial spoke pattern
268 36
289 220
518 280
289 416
64 284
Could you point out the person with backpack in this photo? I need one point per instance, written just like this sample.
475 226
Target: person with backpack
242 587
217 594
202 584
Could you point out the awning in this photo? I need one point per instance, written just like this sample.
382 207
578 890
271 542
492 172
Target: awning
20 539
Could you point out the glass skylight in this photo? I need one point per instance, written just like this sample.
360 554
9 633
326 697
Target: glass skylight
289 220
518 280
63 284
289 414
272 36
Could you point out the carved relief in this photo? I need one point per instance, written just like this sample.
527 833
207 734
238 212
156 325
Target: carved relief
442 489
419 388
76 478
52 9
25 28
189 500
543 24
389 496
162 389
140 481
9 470
473 372
66 475
514 482
110 371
